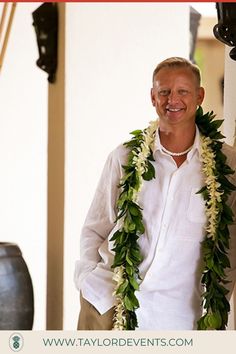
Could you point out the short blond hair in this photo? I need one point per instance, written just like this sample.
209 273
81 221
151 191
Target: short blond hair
178 62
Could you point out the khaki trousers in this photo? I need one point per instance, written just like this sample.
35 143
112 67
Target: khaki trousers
90 318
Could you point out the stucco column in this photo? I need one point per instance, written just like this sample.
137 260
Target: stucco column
229 98
229 129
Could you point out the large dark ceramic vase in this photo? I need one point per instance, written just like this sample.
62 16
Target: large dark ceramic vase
16 290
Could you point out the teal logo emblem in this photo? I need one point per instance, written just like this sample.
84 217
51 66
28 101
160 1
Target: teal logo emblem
16 342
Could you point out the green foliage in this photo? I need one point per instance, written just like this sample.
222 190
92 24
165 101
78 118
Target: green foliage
150 172
215 250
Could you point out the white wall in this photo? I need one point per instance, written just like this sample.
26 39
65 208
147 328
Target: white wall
112 49
23 149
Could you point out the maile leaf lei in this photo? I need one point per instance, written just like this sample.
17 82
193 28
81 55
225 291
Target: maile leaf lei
127 253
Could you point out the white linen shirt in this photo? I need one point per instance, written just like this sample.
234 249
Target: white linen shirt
174 219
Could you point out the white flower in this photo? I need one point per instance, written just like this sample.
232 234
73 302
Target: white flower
213 186
119 317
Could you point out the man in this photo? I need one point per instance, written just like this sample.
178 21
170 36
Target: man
170 291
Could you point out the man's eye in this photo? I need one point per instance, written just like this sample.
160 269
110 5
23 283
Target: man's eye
183 92
164 93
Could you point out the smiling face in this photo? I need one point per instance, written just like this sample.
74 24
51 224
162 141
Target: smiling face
176 95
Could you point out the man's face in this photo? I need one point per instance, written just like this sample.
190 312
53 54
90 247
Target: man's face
176 95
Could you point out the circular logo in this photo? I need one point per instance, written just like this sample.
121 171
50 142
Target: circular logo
16 342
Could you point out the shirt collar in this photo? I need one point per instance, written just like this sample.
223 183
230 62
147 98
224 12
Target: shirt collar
195 147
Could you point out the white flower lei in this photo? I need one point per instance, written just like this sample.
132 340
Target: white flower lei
139 162
207 157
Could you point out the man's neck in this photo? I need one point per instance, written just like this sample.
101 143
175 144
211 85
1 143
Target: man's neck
177 140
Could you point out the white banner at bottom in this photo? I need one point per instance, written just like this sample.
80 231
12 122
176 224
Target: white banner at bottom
105 342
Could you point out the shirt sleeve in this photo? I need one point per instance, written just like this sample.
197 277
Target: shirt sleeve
231 272
101 216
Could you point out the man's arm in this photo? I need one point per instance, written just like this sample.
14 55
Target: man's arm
101 215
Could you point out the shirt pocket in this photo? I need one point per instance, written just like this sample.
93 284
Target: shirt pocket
196 208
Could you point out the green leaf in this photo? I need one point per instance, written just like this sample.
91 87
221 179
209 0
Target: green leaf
133 299
216 124
129 225
214 320
131 320
128 303
204 192
218 269
210 263
199 112
136 254
134 283
128 260
224 260
116 235
150 157
216 135
122 287
228 212
129 270
222 290
150 173
204 188
226 183
120 255
136 132
134 210
206 323
200 324
139 225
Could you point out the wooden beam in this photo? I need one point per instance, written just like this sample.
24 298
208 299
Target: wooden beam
56 165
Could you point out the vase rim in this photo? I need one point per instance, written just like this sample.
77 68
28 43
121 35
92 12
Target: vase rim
8 249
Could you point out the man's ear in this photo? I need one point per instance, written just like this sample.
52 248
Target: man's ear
201 95
153 97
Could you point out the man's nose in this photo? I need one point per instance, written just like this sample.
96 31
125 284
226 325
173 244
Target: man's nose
173 97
